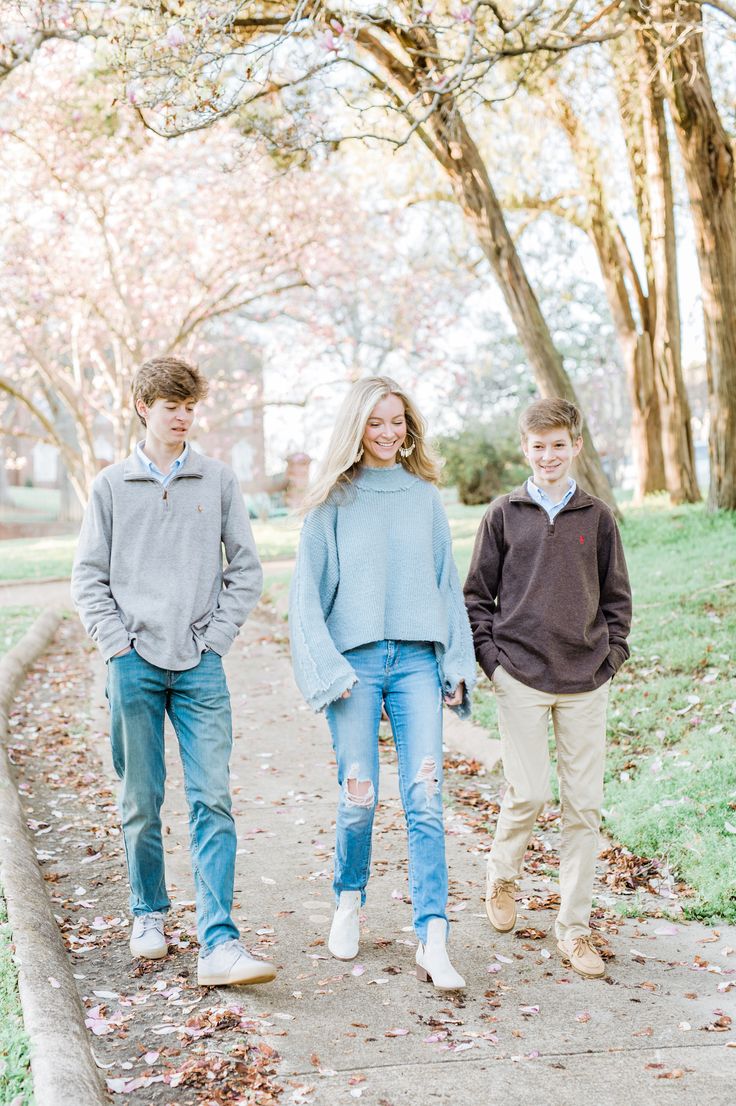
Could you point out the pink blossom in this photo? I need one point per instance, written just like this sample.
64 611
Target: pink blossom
175 37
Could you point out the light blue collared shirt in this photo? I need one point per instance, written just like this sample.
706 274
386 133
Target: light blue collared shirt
541 497
163 478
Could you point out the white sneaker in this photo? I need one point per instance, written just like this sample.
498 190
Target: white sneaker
230 963
433 963
147 938
345 930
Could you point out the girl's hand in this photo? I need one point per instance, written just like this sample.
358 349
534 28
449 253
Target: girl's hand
455 698
345 694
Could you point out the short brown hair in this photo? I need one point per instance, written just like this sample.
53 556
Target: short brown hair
548 414
167 378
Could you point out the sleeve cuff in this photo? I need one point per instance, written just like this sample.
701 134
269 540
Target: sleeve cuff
488 659
217 640
114 643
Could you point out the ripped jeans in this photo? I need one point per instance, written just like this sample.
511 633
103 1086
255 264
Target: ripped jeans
404 676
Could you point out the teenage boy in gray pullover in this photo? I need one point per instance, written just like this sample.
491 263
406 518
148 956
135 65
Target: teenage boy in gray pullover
150 587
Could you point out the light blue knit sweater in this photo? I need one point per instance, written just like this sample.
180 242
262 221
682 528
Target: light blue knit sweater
375 563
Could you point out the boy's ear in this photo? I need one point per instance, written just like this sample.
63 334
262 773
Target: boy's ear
141 408
577 445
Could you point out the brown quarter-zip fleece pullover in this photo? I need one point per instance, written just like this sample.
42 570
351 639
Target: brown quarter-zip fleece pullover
549 601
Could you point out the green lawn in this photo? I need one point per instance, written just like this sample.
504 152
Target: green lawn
31 505
36 558
15 1078
14 621
15 1072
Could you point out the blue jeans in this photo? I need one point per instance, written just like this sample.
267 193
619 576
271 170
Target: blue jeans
404 676
198 703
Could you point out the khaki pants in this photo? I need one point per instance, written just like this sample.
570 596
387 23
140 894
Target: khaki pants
579 723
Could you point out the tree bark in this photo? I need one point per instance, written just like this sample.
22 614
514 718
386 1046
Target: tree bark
677 438
448 139
471 183
708 160
634 339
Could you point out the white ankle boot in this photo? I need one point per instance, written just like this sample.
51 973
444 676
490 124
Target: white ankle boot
345 930
433 963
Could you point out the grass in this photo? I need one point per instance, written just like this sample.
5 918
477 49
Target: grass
15 1078
36 558
15 1071
14 621
31 505
671 780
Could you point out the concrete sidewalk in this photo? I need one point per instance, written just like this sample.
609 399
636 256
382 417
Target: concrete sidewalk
527 1029
596 1033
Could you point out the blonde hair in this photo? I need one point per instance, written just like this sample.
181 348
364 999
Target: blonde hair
338 467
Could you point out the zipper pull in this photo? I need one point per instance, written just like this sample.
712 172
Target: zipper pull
166 497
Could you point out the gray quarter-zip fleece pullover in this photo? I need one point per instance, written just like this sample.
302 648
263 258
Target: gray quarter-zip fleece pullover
149 566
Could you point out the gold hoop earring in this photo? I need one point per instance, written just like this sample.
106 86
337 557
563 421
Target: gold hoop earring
407 450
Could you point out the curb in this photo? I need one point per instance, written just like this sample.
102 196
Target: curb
39 580
62 1066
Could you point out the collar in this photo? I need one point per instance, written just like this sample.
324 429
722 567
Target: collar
541 497
190 464
578 499
152 467
395 479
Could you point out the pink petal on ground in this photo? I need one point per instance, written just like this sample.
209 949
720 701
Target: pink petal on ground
358 969
529 1010
503 959
493 968
666 931
582 1016
54 982
396 1033
151 1057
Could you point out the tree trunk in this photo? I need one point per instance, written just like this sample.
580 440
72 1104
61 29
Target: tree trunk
708 161
468 175
646 423
677 438
71 508
6 500
634 341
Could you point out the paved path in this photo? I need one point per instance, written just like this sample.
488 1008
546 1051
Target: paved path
527 1031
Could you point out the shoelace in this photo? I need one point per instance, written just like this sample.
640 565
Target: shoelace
501 887
151 921
584 944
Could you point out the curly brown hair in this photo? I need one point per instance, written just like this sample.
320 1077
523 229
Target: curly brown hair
167 378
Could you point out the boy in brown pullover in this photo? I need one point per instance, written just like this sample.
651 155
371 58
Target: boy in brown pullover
549 602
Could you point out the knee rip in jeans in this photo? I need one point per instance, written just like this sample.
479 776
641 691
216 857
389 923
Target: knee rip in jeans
427 775
358 792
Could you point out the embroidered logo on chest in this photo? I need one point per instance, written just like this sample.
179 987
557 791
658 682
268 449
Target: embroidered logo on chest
581 539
